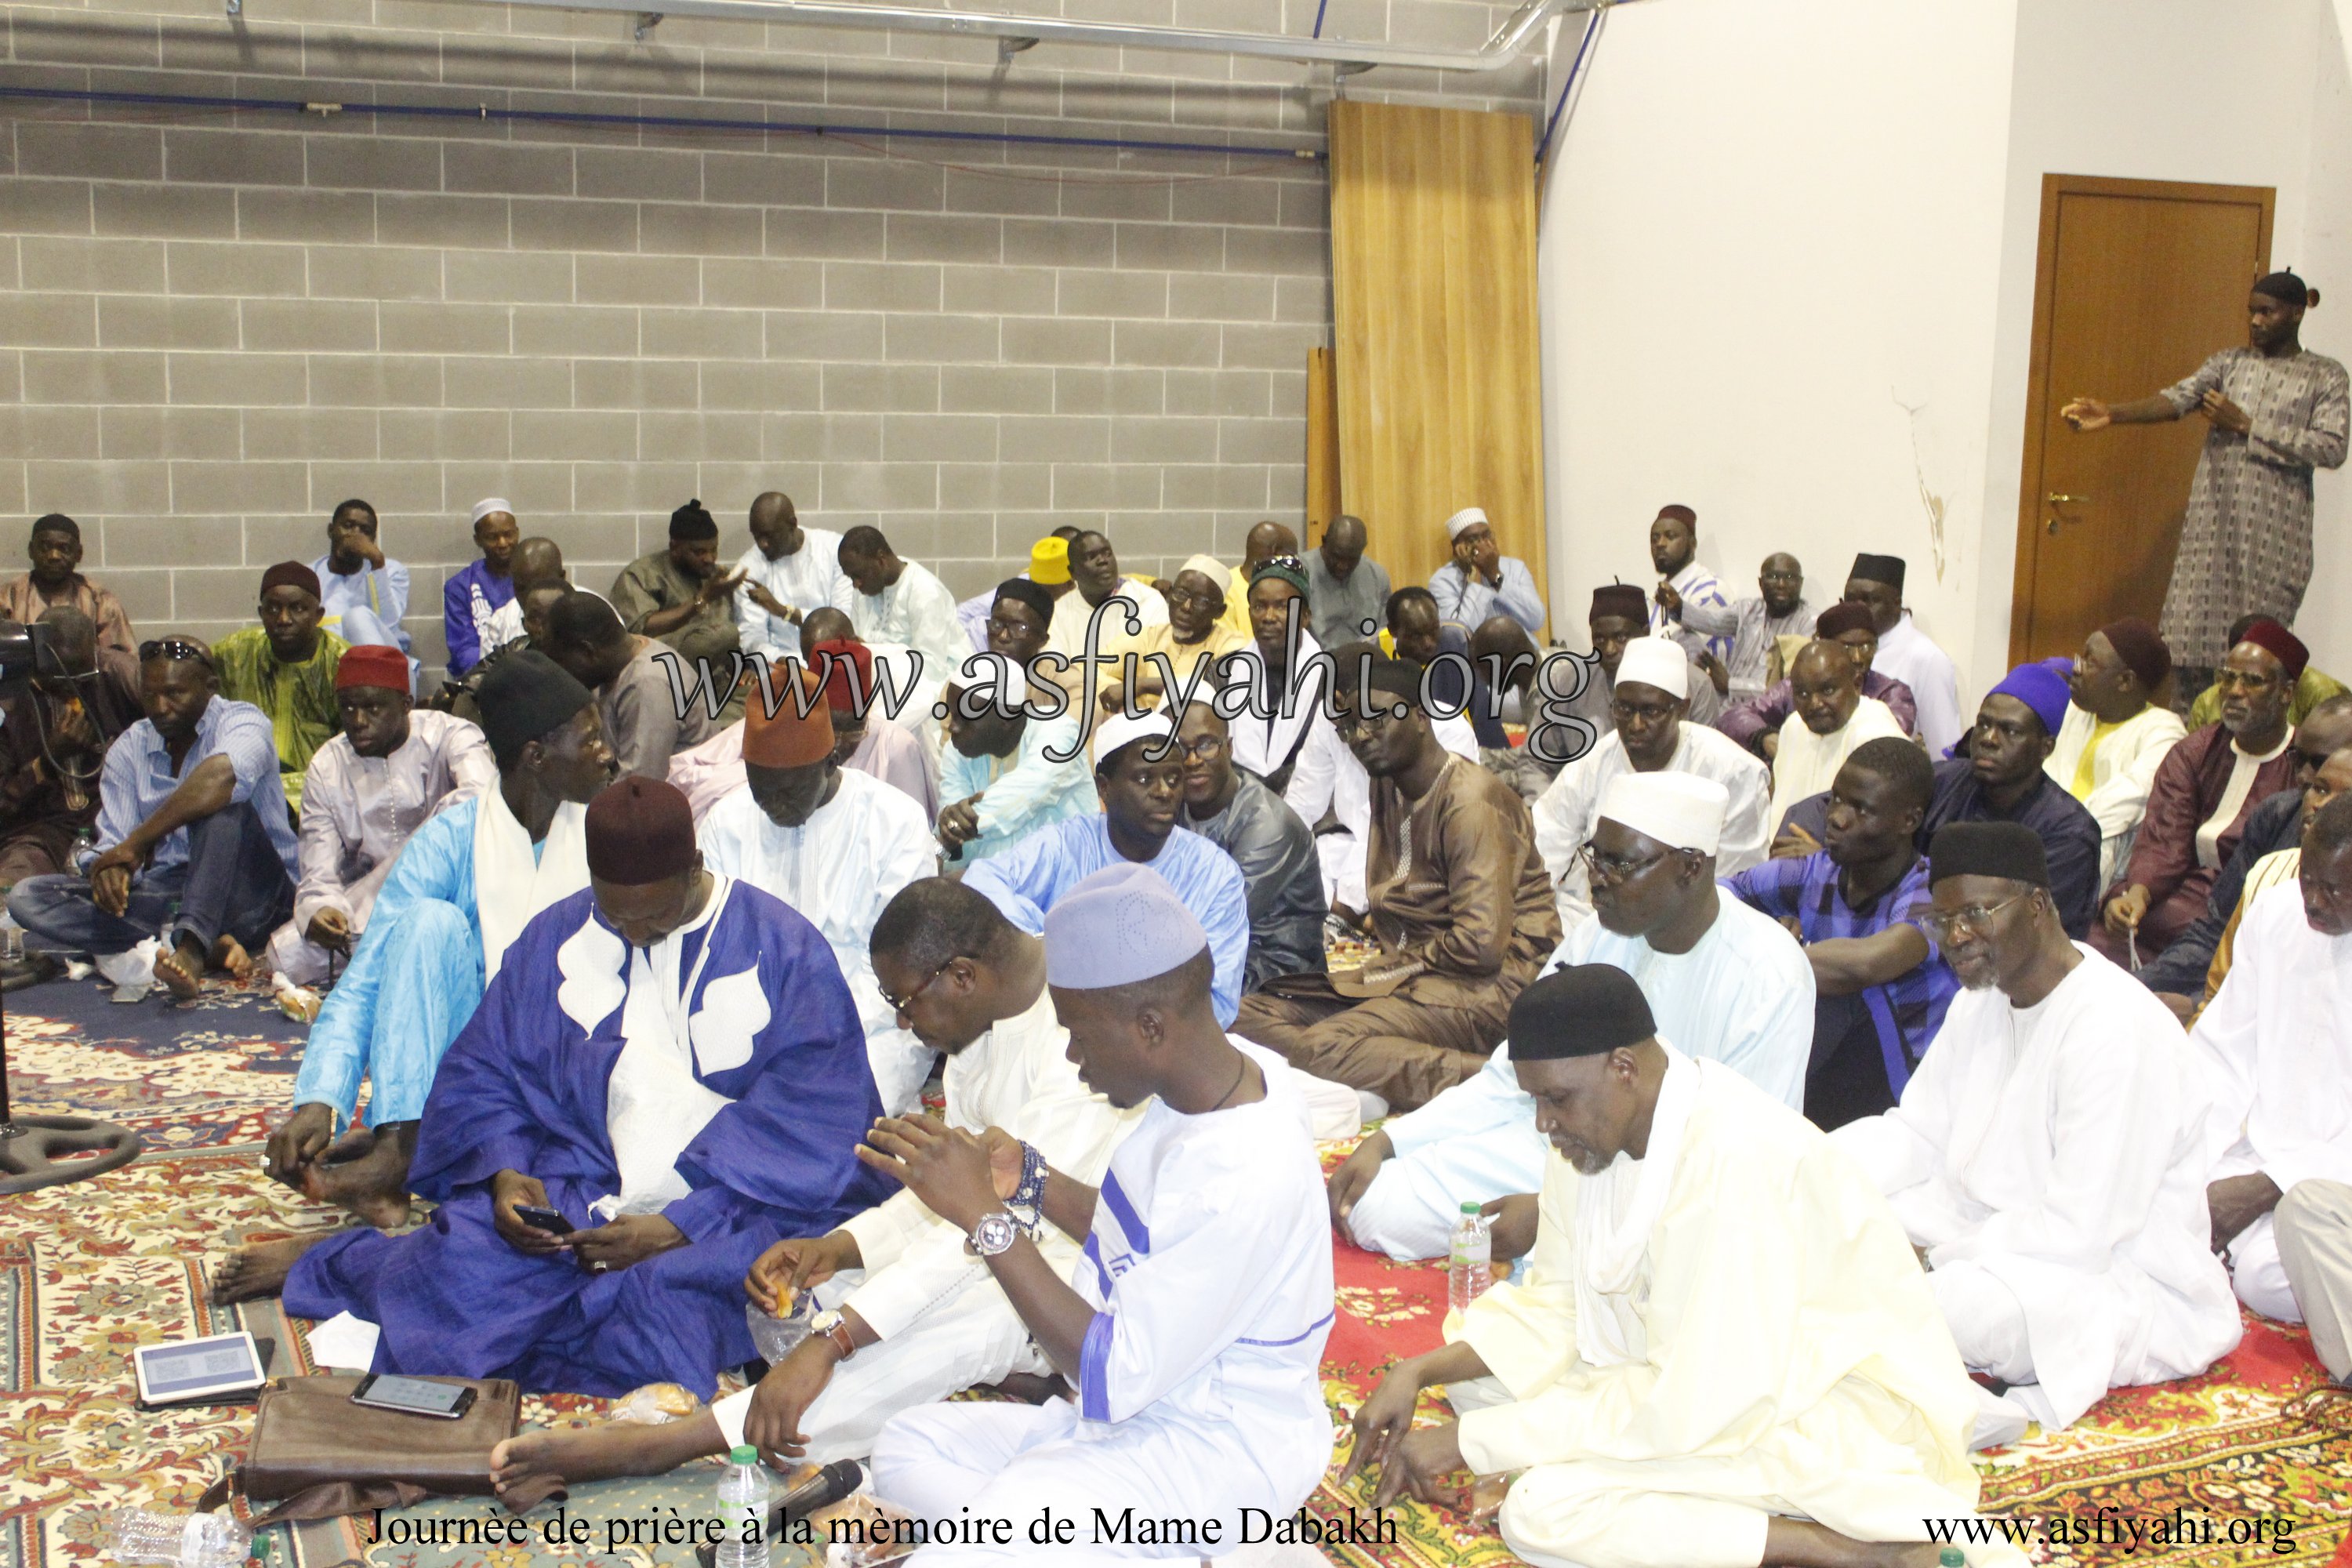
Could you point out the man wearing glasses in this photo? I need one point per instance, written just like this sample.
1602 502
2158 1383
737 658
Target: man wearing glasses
2273 1048
2048 1158
193 836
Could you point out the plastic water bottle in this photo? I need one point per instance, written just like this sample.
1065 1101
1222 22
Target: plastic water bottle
181 1540
1470 1259
743 1494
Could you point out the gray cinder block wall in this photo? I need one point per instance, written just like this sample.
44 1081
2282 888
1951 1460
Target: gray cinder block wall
215 323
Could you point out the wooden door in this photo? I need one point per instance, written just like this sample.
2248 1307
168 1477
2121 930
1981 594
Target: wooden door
1433 309
1322 447
2139 281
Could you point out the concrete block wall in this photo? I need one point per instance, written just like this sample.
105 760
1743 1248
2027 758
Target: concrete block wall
215 325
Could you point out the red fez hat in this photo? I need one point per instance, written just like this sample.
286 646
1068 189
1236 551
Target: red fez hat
1841 617
2276 640
787 738
290 574
640 830
371 664
1680 513
2142 649
853 664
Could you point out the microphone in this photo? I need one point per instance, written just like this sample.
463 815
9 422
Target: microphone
822 1489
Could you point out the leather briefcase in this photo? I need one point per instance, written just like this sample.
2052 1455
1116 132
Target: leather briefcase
318 1455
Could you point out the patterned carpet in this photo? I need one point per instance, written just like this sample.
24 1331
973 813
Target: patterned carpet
88 1270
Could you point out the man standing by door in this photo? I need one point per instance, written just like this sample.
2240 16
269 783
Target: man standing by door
2274 412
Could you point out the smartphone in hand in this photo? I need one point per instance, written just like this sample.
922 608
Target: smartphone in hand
546 1219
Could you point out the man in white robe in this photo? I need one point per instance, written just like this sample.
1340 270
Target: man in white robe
1648 706
459 892
2048 1158
835 846
1721 1353
1906 653
364 793
1101 590
2116 735
1194 1333
1832 717
1734 986
914 1316
789 572
902 600
2275 1052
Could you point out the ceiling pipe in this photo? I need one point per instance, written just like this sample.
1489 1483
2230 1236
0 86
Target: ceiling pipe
1507 43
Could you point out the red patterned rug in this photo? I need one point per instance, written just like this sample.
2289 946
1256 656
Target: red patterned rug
87 1272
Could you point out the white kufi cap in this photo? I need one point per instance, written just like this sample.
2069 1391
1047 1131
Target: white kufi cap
1214 570
1656 661
489 504
1468 517
1679 809
1119 730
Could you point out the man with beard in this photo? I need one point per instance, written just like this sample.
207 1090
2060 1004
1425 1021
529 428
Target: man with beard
458 894
1859 905
53 746
2273 1048
367 790
1280 872
2202 794
679 596
2053 1183
835 846
193 836
1650 732
1732 985
911 1315
1093 571
1180 657
1720 1353
1754 626
1460 906
285 668
1681 580
1285 711
1140 778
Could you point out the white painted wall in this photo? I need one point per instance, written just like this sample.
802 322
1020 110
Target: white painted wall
2157 90
1788 259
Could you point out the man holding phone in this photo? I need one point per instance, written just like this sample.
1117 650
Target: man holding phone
670 1065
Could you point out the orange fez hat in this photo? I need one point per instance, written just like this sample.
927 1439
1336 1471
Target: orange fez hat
785 739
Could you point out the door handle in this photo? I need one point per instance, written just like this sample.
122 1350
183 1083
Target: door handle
2054 498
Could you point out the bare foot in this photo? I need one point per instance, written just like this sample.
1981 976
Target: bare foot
229 955
260 1269
534 1464
1801 1543
182 970
367 1174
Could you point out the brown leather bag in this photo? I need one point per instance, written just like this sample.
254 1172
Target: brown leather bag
318 1455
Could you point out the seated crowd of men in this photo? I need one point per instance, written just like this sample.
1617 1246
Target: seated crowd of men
1808 1050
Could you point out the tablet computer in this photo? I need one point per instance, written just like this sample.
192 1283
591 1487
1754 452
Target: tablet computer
198 1369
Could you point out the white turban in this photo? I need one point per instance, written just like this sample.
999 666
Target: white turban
1679 809
1119 730
1468 517
489 504
1214 570
1656 661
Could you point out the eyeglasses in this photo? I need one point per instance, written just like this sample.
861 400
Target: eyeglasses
900 1004
1613 868
1178 595
175 649
1359 721
999 627
1974 917
2251 681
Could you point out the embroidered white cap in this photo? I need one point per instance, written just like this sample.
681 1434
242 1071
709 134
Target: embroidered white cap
1656 661
1683 810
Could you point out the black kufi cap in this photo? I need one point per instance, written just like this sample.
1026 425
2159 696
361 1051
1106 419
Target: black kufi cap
1031 593
2010 850
1583 1010
692 521
1886 569
2283 286
524 696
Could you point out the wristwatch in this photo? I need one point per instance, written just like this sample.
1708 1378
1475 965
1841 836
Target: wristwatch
994 1234
831 1325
